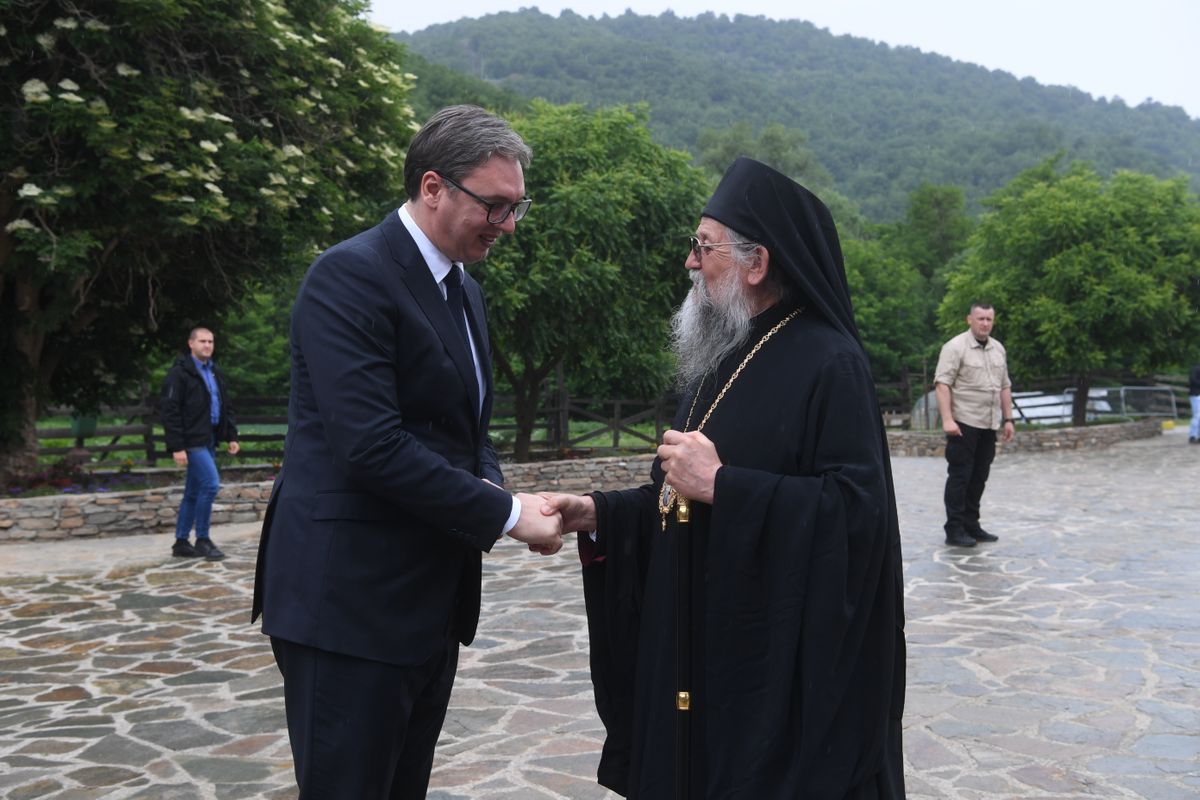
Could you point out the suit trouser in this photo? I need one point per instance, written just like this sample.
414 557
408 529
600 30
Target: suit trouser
363 729
969 462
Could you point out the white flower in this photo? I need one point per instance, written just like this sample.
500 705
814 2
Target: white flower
266 123
266 192
29 190
3 31
326 211
307 181
66 23
231 136
95 25
71 97
19 225
291 151
189 219
145 155
245 73
219 117
35 91
320 39
186 198
212 187
46 40
194 114
126 71
336 63
277 179
208 146
68 84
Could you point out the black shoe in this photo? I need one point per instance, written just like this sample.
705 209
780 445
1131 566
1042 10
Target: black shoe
980 535
207 548
182 549
959 539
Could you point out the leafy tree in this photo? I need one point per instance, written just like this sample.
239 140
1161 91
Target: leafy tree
1087 275
782 149
776 146
932 234
252 344
935 228
438 86
156 158
889 306
593 273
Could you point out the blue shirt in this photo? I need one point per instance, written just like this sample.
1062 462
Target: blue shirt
210 380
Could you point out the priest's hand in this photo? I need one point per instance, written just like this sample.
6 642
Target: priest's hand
542 532
690 462
578 511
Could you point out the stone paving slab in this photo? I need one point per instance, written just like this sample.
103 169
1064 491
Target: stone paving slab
1061 662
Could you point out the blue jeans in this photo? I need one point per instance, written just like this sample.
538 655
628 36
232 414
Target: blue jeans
199 492
1194 430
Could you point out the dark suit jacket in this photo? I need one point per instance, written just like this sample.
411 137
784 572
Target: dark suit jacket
372 540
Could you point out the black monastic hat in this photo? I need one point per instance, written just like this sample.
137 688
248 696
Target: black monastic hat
796 228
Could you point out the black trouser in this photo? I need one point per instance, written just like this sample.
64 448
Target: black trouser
363 729
969 461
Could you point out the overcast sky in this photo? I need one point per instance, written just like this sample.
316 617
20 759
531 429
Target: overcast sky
1131 50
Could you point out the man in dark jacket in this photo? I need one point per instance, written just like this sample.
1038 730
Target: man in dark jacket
196 417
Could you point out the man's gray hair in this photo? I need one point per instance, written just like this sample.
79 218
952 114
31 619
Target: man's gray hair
742 255
455 141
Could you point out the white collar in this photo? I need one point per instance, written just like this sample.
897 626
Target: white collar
439 265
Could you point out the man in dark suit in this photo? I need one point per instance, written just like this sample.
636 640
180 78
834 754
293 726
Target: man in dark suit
368 572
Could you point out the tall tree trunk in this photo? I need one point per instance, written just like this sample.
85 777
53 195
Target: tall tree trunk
19 448
525 402
1083 383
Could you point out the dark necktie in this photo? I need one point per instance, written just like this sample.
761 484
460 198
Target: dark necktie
454 300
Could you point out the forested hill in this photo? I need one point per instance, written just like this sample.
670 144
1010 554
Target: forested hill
881 119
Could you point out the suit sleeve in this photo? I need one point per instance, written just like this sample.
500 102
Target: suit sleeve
347 328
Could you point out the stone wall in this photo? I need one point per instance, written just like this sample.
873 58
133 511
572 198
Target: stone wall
918 443
153 510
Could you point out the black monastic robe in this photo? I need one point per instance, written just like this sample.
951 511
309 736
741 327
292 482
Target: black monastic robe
796 621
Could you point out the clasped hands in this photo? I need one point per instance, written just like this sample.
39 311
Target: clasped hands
689 461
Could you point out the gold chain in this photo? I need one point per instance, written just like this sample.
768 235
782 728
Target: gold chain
669 498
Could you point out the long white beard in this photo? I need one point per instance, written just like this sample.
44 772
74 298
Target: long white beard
712 323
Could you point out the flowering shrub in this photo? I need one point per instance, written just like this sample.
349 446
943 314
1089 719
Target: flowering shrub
159 158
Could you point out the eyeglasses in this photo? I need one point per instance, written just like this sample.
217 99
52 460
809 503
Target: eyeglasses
698 247
496 212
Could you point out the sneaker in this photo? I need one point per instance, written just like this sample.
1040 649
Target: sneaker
980 535
183 549
207 548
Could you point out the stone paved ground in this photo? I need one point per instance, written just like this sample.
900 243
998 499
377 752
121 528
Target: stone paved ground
1060 662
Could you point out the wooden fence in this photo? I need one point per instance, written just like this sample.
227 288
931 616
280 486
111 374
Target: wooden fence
620 422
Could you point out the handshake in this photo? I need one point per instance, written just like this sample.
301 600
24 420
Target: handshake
547 516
